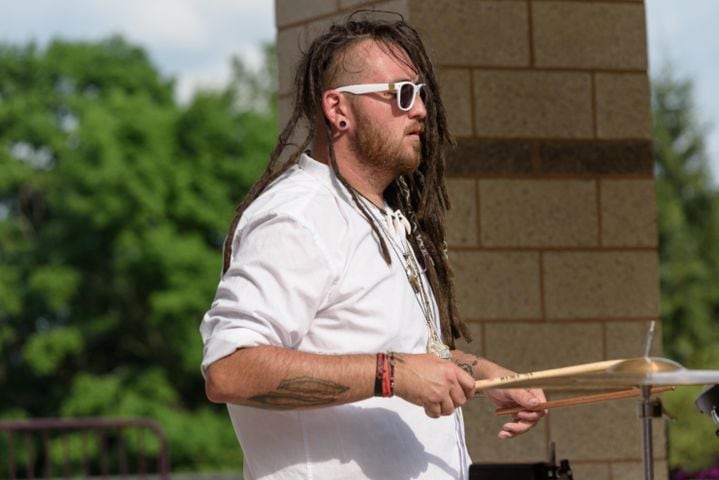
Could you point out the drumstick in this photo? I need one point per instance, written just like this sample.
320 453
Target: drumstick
582 369
586 399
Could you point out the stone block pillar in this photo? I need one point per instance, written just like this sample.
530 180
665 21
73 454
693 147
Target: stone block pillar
552 233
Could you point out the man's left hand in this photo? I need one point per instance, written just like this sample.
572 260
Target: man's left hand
518 397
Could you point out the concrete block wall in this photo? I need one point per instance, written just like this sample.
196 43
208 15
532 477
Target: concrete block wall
552 233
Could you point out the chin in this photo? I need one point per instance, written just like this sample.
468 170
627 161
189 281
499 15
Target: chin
408 165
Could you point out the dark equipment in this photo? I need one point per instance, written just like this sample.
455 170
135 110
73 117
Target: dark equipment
523 471
707 402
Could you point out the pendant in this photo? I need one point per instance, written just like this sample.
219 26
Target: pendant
412 276
438 348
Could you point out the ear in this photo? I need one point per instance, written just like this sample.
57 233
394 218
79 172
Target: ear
336 110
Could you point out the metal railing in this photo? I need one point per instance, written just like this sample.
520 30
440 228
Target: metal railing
96 447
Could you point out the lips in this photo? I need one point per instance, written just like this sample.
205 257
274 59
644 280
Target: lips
415 130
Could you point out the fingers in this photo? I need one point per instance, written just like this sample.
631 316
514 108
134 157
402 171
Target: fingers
524 420
448 404
467 382
516 427
526 398
439 386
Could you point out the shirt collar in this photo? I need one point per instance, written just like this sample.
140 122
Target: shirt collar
324 174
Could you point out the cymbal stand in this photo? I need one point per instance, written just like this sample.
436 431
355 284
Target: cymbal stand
650 408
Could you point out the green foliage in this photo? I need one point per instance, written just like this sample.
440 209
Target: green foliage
688 220
114 202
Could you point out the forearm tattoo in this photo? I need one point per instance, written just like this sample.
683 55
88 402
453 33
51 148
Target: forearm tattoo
301 392
467 366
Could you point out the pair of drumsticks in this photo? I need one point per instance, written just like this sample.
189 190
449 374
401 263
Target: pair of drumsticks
583 369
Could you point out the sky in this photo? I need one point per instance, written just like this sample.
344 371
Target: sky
193 40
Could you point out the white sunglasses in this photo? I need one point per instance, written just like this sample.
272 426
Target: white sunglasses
406 91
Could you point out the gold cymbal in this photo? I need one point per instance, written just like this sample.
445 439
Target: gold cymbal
631 372
644 366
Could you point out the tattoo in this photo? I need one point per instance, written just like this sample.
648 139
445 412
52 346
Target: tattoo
466 366
301 392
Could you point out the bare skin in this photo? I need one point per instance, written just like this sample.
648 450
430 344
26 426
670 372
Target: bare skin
280 378
283 379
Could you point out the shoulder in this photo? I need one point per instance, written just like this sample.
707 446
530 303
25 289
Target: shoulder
299 206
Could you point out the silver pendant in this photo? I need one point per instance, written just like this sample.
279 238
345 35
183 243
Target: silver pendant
438 348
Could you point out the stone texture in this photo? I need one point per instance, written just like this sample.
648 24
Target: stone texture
462 217
285 110
589 35
294 11
608 431
476 345
597 158
623 109
473 156
532 213
626 339
601 284
497 284
531 346
354 3
482 33
290 42
586 471
456 90
635 470
629 213
533 104
384 10
485 447
392 5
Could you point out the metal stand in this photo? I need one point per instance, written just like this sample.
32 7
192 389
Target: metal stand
650 408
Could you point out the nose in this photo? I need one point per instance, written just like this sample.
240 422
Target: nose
419 109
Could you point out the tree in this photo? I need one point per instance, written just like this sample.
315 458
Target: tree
114 202
688 221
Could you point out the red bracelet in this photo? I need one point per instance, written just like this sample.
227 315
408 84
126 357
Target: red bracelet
386 384
384 376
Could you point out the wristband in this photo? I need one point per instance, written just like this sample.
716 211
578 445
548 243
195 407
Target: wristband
384 375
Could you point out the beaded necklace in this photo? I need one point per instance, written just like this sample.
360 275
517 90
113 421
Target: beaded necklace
404 253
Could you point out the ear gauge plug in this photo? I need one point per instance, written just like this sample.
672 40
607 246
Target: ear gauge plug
343 124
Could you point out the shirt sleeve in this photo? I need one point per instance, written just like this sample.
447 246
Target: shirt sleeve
277 280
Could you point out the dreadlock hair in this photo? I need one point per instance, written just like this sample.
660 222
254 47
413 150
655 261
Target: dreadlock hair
421 195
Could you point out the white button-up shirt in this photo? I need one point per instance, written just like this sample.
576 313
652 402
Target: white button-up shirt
307 274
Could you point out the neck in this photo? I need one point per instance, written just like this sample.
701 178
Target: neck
365 180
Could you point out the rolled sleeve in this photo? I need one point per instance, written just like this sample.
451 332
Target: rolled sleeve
278 278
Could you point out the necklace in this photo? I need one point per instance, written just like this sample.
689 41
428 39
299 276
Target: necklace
407 259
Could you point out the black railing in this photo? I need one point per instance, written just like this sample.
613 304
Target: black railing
96 447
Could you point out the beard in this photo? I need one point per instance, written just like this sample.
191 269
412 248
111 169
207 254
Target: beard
382 153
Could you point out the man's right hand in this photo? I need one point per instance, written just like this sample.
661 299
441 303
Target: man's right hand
437 385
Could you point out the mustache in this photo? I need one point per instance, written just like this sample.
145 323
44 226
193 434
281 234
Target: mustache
417 127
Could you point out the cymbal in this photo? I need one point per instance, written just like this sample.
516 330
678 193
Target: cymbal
631 372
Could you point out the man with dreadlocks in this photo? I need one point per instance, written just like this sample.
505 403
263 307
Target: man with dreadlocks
336 289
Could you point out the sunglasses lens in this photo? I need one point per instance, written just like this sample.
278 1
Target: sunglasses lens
406 96
423 94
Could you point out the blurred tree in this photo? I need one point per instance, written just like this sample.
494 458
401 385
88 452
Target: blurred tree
114 202
688 221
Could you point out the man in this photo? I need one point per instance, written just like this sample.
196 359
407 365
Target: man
334 261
